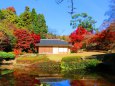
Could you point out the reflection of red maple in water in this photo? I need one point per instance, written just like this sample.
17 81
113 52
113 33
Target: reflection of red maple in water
92 82
25 80
22 79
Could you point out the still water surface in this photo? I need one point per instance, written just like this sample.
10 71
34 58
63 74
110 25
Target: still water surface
17 78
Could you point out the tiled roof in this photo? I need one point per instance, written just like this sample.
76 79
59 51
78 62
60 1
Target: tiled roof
52 42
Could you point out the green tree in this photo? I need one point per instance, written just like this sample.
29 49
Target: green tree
8 33
20 23
25 18
83 20
1 15
42 28
34 15
9 16
38 24
34 18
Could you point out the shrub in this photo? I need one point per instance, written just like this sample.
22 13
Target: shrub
6 55
75 63
91 63
71 63
71 58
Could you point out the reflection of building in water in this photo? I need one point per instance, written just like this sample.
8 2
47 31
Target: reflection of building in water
50 79
60 83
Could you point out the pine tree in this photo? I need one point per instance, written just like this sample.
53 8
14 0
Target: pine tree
42 26
34 18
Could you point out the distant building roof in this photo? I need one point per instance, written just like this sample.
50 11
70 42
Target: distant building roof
52 42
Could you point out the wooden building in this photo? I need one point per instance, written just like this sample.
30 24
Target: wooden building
53 46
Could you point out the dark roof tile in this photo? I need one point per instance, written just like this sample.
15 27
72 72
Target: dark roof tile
52 42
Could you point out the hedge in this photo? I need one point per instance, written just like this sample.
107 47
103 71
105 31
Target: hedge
7 55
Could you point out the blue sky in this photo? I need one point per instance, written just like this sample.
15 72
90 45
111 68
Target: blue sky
57 16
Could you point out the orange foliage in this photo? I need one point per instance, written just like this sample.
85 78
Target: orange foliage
17 51
104 39
11 9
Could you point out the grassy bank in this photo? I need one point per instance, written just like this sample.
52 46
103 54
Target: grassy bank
43 64
59 57
28 59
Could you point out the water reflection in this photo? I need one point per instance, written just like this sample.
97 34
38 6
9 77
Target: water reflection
61 83
19 78
96 82
81 83
7 80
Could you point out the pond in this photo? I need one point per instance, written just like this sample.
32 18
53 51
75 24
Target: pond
20 78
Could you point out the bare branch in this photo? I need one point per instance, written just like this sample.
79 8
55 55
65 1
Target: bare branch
72 5
59 1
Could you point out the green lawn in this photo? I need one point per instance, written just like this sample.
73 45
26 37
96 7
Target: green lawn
58 57
53 57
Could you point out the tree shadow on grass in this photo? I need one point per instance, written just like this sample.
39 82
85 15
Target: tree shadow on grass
108 62
107 68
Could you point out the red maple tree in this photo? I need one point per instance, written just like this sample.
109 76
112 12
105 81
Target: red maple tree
36 37
24 39
77 37
104 39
